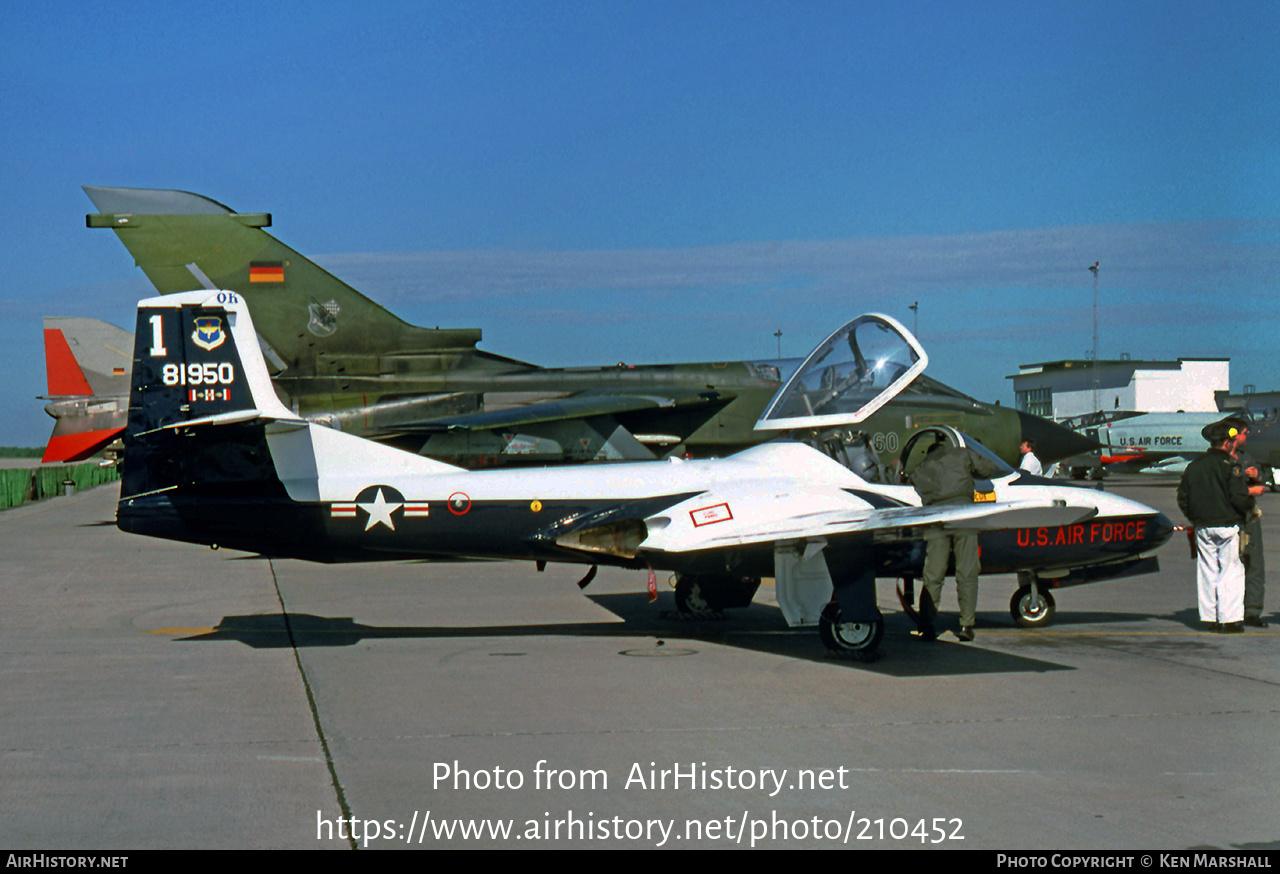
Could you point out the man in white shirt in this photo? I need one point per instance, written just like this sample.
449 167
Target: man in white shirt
1029 462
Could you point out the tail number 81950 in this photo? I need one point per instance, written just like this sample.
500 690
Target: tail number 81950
199 374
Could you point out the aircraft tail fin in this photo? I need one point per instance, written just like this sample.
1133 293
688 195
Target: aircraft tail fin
87 375
187 366
188 371
86 357
63 374
206 428
187 242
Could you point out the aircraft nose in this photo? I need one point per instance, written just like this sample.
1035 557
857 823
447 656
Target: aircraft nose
1053 442
1160 531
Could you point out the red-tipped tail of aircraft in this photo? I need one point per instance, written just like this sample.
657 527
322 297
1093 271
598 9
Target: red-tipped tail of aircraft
87 373
62 373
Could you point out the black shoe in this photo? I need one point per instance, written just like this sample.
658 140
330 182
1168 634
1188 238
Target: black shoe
1256 621
1232 628
965 633
1212 627
928 633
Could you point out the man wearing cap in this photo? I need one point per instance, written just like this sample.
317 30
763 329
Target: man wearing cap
1212 494
1255 571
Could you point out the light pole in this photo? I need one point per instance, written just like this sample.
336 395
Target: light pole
1094 270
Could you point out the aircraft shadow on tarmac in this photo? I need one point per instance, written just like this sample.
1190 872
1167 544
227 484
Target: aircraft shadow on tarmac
759 628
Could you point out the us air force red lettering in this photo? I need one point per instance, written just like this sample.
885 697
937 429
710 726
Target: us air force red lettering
1126 531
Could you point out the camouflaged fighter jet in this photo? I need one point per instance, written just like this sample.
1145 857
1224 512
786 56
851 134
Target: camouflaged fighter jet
213 457
342 360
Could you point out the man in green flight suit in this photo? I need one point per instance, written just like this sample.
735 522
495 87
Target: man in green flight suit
946 477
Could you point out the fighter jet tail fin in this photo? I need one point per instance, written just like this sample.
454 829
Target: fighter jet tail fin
187 242
86 366
63 373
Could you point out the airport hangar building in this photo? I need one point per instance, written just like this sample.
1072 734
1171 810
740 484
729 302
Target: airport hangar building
1061 390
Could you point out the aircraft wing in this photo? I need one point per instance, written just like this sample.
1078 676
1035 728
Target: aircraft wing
698 522
579 406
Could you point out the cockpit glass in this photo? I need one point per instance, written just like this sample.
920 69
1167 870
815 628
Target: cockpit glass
919 444
1002 466
848 377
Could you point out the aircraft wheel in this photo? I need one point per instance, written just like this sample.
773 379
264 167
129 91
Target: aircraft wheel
689 597
712 594
860 640
1029 614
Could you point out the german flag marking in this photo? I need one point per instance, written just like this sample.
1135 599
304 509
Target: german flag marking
266 271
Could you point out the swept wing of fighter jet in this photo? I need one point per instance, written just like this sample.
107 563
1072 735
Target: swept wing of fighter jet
342 360
212 456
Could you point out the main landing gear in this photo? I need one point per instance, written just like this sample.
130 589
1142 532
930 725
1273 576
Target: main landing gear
858 640
707 596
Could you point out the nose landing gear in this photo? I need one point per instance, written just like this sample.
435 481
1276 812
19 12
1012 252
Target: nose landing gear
1030 607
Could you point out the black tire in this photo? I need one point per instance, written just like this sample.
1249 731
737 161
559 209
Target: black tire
858 640
1028 616
712 594
689 598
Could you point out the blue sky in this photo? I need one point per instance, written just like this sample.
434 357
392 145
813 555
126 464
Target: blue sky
649 181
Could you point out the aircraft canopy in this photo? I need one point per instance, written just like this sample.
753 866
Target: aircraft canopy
849 376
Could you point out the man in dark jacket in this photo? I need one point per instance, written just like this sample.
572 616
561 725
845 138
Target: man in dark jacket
1213 496
946 477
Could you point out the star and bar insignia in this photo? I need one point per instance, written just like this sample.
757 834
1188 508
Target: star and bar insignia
380 506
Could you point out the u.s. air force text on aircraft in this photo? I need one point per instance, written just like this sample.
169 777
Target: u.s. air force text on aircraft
1097 532
679 776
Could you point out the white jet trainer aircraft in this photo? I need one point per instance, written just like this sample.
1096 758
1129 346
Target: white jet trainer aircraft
213 456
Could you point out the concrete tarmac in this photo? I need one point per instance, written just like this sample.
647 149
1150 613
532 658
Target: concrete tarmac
165 695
